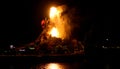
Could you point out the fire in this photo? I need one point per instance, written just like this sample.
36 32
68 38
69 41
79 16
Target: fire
58 24
54 32
53 12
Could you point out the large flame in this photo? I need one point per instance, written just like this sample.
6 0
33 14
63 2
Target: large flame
54 32
59 24
53 15
53 12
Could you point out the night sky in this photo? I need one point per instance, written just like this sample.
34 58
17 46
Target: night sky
20 20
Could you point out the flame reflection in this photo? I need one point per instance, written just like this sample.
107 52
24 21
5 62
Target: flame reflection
54 66
51 66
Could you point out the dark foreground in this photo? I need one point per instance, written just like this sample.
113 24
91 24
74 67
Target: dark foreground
94 61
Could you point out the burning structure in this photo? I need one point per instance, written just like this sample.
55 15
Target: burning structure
55 37
57 25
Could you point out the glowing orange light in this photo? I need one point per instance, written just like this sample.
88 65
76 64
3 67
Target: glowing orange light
57 28
53 12
54 32
54 66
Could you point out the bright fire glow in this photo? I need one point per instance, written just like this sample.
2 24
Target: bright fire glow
58 23
54 32
54 66
53 12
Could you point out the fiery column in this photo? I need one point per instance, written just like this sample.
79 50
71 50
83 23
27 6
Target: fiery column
58 23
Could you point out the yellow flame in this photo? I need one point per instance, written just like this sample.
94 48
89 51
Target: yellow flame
59 24
53 12
54 32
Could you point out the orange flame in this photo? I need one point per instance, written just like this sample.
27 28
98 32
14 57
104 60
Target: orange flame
53 12
54 32
58 26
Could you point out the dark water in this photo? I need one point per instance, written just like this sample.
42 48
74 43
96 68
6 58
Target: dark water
32 62
77 62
